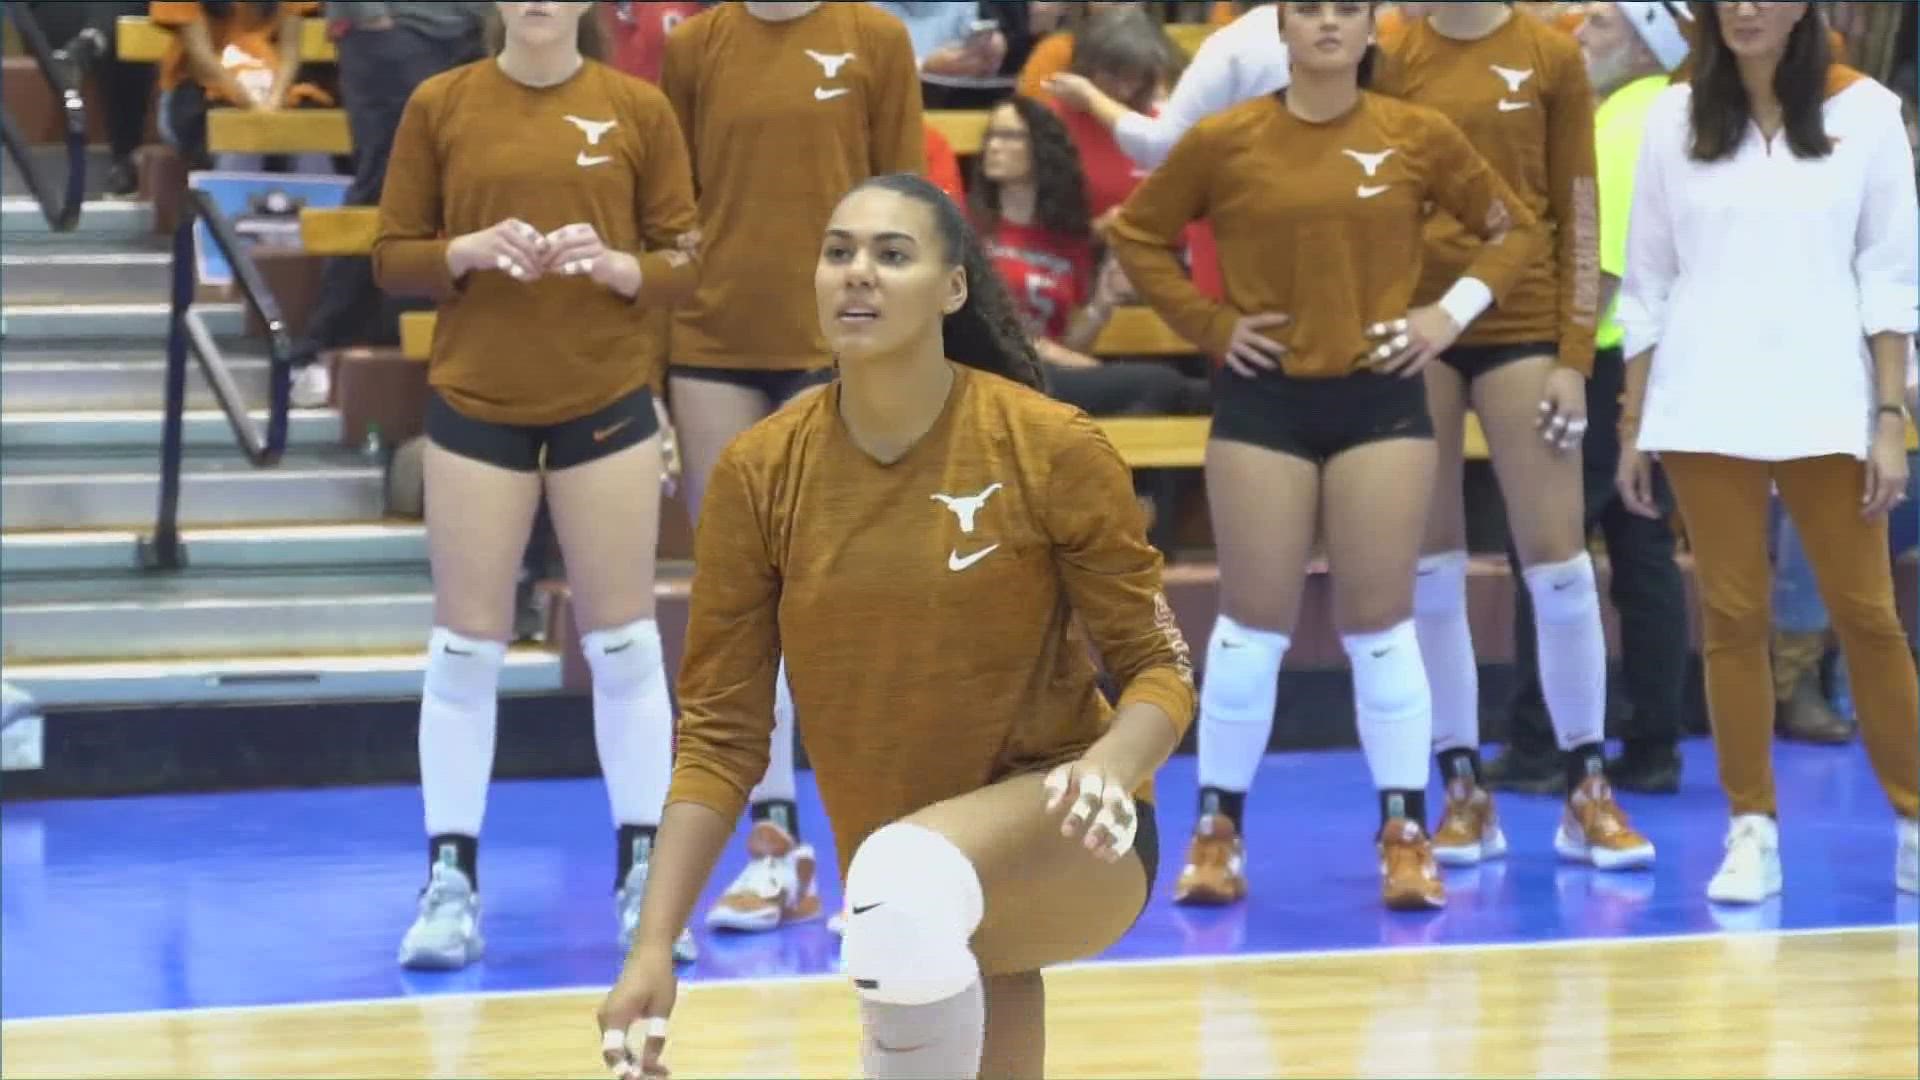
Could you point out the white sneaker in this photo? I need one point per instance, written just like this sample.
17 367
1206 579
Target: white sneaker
777 887
1906 867
626 905
312 386
1750 872
445 936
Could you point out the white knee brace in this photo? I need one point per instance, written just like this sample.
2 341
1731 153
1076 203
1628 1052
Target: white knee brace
624 659
461 671
1441 587
913 902
1563 591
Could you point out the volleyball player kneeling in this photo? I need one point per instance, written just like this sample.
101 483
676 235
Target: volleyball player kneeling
931 542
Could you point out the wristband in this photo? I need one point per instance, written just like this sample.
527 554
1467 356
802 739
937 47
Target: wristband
1466 301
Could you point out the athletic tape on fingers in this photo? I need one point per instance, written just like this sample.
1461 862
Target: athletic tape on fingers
1123 832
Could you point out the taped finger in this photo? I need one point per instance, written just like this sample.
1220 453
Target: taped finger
1056 786
1120 821
1091 789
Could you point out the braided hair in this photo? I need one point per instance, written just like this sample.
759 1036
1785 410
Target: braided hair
986 333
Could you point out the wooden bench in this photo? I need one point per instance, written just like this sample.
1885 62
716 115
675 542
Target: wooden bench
142 41
287 131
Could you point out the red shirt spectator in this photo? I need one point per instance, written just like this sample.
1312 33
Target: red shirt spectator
1049 273
943 166
638 33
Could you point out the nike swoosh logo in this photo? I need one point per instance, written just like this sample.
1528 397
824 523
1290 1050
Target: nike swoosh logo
1378 653
1366 192
862 909
451 651
605 433
1514 106
821 93
586 161
956 564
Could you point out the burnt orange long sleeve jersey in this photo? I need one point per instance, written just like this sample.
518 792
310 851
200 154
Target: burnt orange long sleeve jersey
782 120
935 613
1522 97
1320 222
475 148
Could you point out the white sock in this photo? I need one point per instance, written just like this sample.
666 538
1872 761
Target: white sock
1573 649
778 783
1392 706
1237 693
459 716
1446 650
632 719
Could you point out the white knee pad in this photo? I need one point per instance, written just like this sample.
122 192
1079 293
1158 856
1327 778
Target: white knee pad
1563 591
624 659
1243 667
1440 588
462 671
913 903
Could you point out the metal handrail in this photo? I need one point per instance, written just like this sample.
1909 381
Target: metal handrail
187 332
62 215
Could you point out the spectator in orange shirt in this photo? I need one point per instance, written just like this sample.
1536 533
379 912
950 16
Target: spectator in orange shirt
228 53
1054 53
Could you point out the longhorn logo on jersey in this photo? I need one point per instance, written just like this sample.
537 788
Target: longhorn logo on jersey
830 64
965 507
1371 163
1514 80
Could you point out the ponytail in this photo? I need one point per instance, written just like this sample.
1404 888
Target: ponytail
986 333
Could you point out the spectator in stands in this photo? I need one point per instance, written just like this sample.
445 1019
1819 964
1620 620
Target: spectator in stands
1320 416
637 32
228 54
538 197
943 165
960 52
785 107
1630 51
1775 230
1054 53
86 32
1030 204
387 48
1245 59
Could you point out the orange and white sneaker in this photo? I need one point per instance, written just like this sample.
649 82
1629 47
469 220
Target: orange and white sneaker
778 886
1594 829
1469 829
1216 871
1409 880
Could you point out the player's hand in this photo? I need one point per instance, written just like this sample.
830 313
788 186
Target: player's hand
669 450
1099 808
633 1017
1562 421
1074 91
1634 481
1886 479
512 247
1250 351
1404 347
578 250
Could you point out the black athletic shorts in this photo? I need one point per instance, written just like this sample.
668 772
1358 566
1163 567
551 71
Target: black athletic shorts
1318 419
627 422
1473 361
1146 841
779 386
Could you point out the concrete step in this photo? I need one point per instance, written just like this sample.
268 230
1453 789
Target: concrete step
71 431
61 275
22 223
214 680
115 380
286 547
188 614
105 491
147 322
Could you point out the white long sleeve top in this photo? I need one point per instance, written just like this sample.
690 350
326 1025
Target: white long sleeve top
1757 280
1242 60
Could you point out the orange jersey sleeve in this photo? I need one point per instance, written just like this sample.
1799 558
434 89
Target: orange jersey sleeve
935 613
781 121
943 167
1522 98
1319 222
601 149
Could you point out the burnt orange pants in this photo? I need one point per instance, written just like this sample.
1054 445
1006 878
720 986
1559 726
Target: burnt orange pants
1725 503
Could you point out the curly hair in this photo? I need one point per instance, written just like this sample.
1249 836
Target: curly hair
986 333
1060 184
1721 110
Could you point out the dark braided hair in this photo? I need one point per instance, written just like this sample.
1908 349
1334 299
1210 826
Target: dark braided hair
986 333
1059 181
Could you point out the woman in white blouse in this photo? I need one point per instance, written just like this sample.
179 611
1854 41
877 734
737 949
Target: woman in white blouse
1769 298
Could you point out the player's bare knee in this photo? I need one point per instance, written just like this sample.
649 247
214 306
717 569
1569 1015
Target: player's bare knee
913 901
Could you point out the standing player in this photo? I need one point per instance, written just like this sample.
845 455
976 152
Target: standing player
1769 305
540 197
932 543
785 107
1320 418
1519 90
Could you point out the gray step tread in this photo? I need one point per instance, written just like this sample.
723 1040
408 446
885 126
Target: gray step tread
75 353
78 431
123 462
20 219
333 676
235 589
87 252
111 551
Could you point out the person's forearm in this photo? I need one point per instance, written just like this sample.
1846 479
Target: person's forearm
689 843
292 31
1633 398
1141 740
1609 292
1889 368
1087 325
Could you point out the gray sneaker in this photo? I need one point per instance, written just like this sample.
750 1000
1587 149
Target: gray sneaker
446 934
627 905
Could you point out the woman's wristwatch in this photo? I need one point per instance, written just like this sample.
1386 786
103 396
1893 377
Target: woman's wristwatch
1899 411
